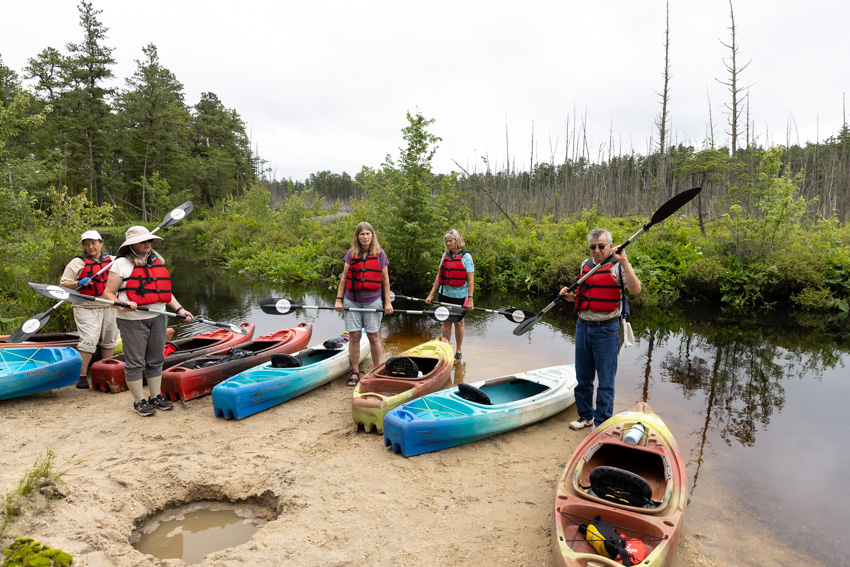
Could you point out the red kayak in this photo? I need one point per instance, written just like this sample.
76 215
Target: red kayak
108 375
197 377
43 340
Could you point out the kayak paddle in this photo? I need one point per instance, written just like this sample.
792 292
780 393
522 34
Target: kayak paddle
65 294
36 322
677 202
511 313
443 314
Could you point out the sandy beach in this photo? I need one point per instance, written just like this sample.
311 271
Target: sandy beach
335 496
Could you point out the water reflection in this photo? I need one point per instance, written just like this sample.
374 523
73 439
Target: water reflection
756 402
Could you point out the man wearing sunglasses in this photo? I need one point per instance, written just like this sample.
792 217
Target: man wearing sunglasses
600 302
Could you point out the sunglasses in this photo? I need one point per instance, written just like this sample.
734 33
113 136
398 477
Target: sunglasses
147 241
598 246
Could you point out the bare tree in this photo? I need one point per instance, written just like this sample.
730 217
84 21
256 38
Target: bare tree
663 119
736 106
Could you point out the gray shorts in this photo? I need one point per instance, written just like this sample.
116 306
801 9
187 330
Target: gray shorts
357 320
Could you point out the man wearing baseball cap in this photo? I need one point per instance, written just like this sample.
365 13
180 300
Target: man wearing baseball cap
88 273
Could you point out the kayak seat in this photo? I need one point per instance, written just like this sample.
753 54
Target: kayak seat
621 486
284 361
402 367
473 394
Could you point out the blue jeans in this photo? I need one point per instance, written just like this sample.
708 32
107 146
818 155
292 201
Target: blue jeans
596 356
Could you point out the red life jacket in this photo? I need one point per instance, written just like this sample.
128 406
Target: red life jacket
364 273
599 292
91 267
452 270
150 283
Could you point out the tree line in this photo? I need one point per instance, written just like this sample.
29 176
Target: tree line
138 148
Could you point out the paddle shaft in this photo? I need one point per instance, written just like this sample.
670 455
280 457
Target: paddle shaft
508 314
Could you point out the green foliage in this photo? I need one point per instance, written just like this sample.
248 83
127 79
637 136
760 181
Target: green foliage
26 552
43 476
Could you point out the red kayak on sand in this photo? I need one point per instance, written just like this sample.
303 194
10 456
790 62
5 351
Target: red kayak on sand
198 376
108 375
43 340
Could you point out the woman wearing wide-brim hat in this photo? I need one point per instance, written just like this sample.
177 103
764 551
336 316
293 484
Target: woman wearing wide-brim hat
139 277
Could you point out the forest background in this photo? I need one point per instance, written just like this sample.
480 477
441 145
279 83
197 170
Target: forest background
768 229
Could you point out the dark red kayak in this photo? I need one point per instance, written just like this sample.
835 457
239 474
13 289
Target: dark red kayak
108 375
198 376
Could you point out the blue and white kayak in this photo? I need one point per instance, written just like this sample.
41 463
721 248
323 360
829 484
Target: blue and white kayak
266 385
25 371
470 412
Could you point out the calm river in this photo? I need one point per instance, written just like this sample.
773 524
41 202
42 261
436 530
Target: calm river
758 404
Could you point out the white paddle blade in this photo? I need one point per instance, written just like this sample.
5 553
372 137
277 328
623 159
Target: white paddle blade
236 329
283 306
442 313
57 292
30 326
177 214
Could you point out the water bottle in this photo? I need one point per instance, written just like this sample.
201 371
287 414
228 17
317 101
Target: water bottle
635 433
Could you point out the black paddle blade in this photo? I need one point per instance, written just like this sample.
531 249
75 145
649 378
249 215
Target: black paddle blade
60 293
30 327
673 205
176 215
526 325
445 314
517 315
274 306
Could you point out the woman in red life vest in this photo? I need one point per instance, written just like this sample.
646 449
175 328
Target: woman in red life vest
455 283
95 321
364 281
599 302
139 277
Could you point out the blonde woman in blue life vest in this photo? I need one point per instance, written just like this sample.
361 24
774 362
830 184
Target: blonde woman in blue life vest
95 321
599 301
365 283
455 283
139 277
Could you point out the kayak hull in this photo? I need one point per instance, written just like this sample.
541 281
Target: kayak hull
445 419
25 371
108 375
189 380
265 386
658 466
380 391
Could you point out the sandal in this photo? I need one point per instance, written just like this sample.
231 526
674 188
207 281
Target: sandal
354 379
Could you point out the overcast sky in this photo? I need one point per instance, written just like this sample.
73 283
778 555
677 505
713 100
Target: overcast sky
325 85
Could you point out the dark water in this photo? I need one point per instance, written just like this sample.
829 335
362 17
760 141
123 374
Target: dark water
758 404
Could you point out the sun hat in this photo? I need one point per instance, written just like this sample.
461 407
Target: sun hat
90 235
134 235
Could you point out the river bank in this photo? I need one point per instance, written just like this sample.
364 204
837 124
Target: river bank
339 496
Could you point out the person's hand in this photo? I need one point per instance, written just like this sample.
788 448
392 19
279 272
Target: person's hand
469 305
188 316
388 308
429 299
621 256
568 295
338 307
131 306
83 282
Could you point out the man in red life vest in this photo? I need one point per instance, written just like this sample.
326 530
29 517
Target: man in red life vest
95 321
599 301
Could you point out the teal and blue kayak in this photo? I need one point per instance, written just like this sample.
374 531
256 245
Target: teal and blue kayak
268 385
25 371
470 412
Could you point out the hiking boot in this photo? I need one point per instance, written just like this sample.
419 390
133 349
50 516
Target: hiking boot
83 383
143 408
161 403
580 424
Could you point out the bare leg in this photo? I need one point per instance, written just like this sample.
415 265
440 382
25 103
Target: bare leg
460 331
84 370
106 353
447 332
376 348
354 349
